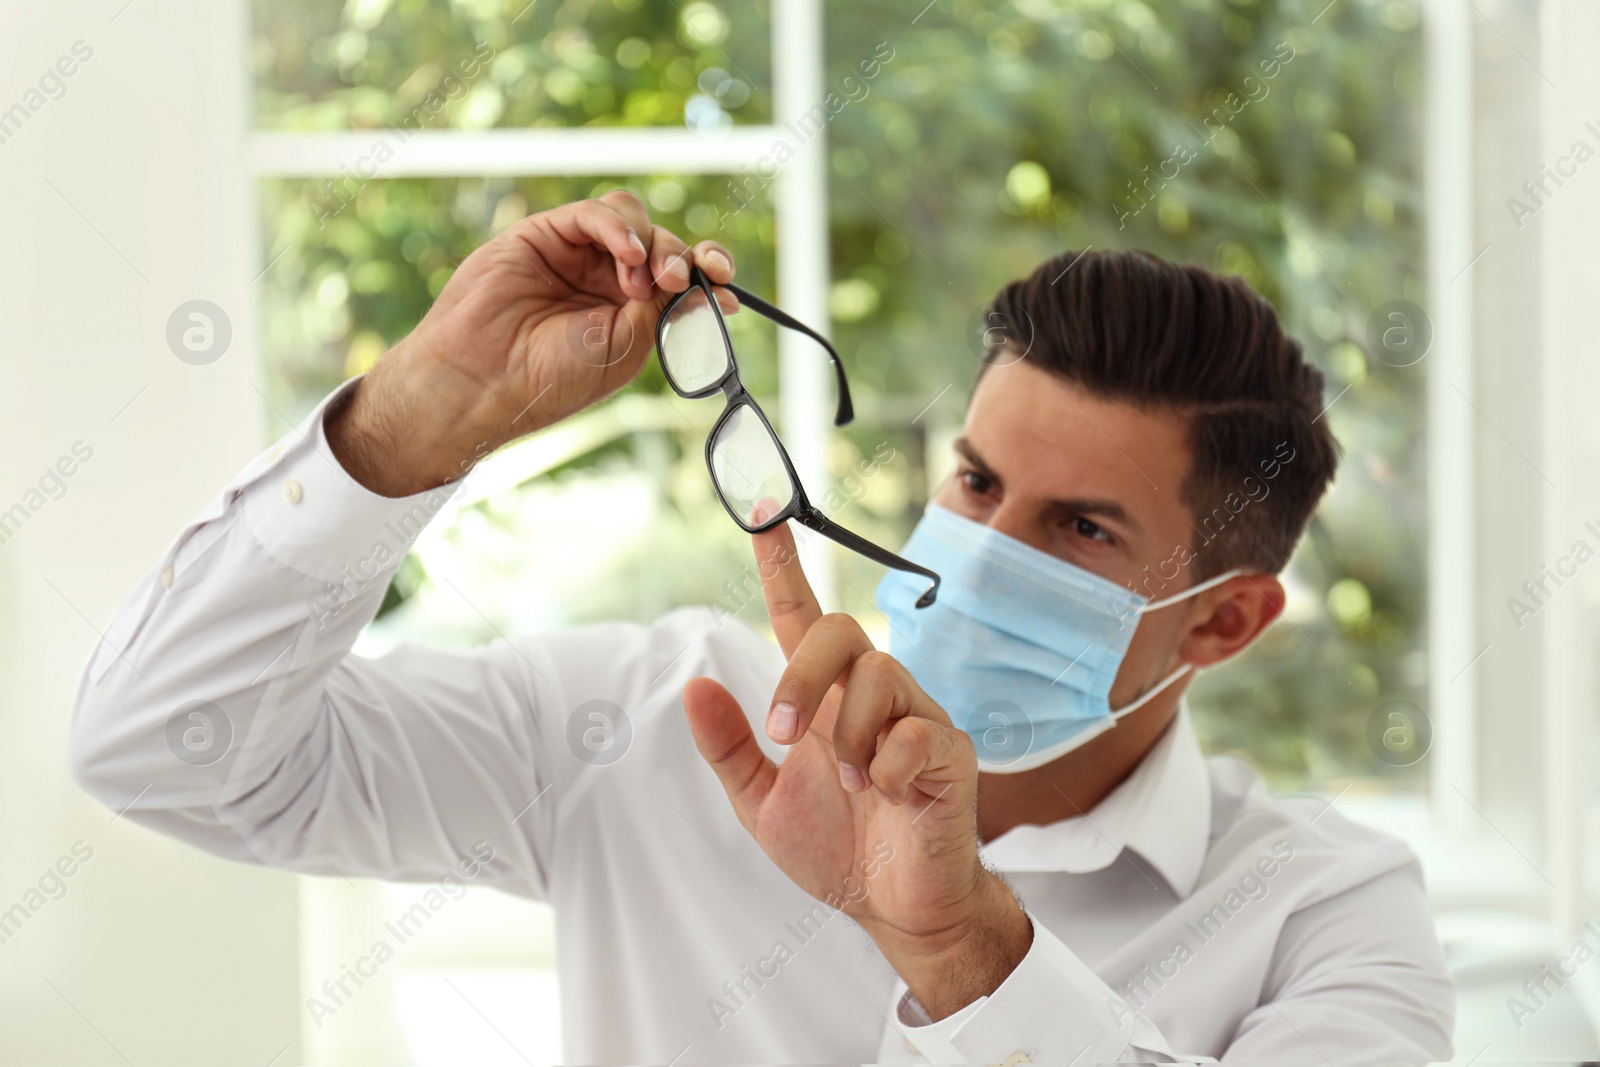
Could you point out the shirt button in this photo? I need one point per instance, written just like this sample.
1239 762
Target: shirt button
910 1047
291 491
166 576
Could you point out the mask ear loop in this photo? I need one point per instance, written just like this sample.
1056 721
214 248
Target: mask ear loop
1209 583
1183 668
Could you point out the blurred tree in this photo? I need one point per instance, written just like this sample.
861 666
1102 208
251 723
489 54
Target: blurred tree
539 63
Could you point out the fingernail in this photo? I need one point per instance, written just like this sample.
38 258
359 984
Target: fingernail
851 778
633 239
717 262
679 269
641 276
781 721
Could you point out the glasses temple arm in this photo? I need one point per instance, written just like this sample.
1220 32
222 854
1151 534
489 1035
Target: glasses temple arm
813 519
846 410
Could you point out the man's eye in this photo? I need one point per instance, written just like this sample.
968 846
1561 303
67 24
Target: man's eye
975 482
1085 528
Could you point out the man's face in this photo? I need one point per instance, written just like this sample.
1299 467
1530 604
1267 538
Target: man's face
1091 481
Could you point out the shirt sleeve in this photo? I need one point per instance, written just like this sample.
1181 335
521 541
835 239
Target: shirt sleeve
225 706
1355 978
1051 1009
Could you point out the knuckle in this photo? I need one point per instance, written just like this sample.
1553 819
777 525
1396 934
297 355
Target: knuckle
915 733
855 743
629 207
783 603
839 624
877 664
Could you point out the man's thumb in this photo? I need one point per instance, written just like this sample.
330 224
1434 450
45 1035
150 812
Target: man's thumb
723 736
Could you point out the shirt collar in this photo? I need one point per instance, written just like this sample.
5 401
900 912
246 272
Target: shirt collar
1162 811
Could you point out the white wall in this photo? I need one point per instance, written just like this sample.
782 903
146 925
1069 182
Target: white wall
156 954
1570 313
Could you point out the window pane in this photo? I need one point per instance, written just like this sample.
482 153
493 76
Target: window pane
509 63
1239 137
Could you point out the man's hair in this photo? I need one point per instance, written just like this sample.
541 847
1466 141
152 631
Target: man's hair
1132 327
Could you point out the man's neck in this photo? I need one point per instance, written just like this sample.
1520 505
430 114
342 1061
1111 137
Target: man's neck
1074 784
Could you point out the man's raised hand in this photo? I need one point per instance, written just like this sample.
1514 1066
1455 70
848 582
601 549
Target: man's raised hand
550 316
874 768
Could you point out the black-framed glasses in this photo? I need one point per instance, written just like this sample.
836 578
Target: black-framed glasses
750 469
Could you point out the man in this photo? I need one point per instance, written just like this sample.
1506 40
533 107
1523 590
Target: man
843 883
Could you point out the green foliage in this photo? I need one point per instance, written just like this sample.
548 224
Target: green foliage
548 63
1273 139
356 264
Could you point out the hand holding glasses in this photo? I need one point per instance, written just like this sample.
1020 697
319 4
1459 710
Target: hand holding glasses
753 475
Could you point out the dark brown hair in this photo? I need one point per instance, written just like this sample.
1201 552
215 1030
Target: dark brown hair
1132 327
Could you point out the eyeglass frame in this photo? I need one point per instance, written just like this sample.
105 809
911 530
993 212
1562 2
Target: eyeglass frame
731 385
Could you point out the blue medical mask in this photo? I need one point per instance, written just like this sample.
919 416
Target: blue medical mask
1021 648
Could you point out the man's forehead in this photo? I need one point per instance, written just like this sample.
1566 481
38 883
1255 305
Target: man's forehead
1030 419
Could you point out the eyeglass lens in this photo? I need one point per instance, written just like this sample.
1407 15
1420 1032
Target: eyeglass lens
692 346
749 468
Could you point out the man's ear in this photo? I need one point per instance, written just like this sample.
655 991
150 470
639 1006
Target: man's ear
1230 617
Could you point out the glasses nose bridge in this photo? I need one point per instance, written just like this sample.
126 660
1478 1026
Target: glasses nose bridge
733 390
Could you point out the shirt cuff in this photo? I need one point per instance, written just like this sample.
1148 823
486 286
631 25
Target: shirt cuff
1051 1009
308 512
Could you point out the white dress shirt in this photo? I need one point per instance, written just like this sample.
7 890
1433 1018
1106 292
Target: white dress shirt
1189 915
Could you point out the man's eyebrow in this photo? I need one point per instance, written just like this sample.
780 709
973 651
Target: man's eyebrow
967 450
1108 509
